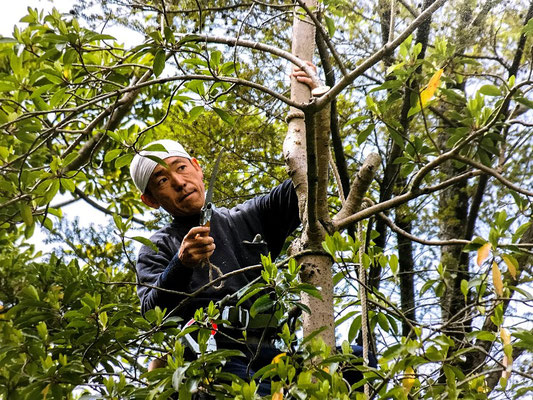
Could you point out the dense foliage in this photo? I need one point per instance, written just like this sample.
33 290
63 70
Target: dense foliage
445 233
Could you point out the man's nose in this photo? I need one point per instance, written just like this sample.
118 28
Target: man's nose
177 180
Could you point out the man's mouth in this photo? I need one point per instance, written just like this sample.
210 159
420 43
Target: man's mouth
186 195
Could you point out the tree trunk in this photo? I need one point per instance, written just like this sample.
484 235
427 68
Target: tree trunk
406 269
316 269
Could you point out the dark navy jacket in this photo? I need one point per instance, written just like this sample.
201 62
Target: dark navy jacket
274 216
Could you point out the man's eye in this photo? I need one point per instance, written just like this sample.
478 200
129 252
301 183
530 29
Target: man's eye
181 167
161 181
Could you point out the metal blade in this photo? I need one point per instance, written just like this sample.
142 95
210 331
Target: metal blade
211 188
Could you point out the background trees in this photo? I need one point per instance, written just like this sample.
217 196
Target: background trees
444 226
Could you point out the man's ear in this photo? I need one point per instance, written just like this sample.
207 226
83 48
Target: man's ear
150 201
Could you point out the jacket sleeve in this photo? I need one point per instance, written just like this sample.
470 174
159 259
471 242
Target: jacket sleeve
279 215
161 269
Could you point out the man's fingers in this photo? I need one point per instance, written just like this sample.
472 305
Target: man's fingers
203 252
301 76
196 246
197 231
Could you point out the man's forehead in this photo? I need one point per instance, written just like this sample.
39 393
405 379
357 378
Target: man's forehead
159 169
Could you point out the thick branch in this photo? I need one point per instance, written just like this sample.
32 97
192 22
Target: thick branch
336 140
322 133
359 187
299 62
398 200
312 179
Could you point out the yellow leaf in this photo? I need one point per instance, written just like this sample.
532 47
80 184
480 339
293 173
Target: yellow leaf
44 392
506 336
510 265
409 379
497 279
277 358
483 253
278 395
427 93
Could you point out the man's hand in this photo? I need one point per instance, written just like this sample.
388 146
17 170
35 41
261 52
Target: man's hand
301 75
196 246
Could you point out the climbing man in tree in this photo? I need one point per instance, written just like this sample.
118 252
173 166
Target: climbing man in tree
190 255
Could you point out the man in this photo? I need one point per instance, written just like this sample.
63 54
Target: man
235 239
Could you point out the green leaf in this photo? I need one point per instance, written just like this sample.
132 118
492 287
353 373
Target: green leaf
396 137
263 303
310 290
16 63
70 56
354 328
490 90
158 160
313 334
51 191
389 84
146 242
251 292
526 339
196 86
520 231
195 112
115 136
528 28
363 135
330 24
100 36
393 263
224 116
30 292
68 184
4 39
383 322
26 213
24 136
155 147
123 160
414 110
112 154
215 58
159 62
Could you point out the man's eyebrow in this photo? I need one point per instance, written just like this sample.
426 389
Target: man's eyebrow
158 173
177 161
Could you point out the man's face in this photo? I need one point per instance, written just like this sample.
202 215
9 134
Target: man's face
179 189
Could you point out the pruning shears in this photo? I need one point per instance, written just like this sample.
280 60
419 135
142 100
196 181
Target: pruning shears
207 209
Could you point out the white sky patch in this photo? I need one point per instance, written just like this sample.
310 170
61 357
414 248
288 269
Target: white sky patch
16 10
12 13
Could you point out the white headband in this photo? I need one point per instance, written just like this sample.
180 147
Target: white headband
141 167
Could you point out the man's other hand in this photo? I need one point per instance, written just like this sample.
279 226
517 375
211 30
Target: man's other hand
196 246
302 77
